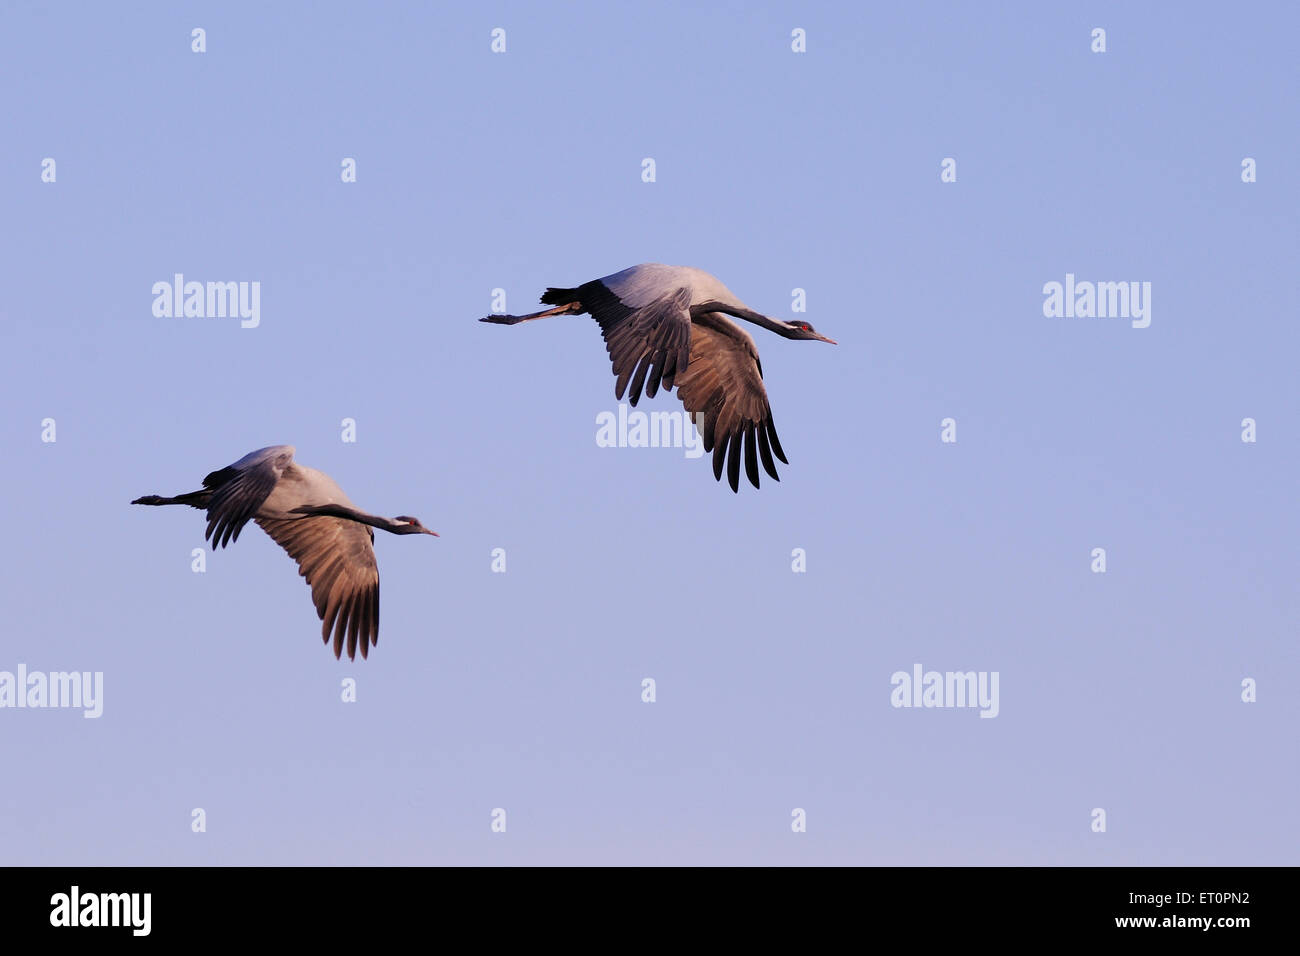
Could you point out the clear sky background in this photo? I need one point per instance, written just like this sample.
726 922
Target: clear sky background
775 171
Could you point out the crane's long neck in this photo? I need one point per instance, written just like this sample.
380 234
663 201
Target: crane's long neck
351 514
749 315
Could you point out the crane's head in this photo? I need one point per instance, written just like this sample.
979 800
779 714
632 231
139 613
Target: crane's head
405 524
800 329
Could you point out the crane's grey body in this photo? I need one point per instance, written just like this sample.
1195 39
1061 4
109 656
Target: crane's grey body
667 325
307 514
640 285
293 484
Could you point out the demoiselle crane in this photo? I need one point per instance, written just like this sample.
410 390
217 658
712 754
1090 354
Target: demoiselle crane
667 325
306 513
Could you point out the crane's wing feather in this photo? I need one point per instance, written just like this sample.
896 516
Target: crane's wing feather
648 345
239 490
337 557
724 393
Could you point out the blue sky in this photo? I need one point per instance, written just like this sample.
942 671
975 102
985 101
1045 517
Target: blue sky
774 170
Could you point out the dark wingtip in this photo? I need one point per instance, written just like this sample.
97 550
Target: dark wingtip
776 442
751 455
734 452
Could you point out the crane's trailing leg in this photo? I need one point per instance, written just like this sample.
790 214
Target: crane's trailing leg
195 499
569 308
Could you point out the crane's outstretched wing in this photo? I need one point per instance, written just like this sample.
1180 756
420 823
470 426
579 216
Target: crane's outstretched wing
239 490
725 386
648 344
337 557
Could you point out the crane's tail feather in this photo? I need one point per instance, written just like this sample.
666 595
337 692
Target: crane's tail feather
559 296
195 499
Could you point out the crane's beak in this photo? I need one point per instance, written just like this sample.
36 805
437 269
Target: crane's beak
822 338
434 533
